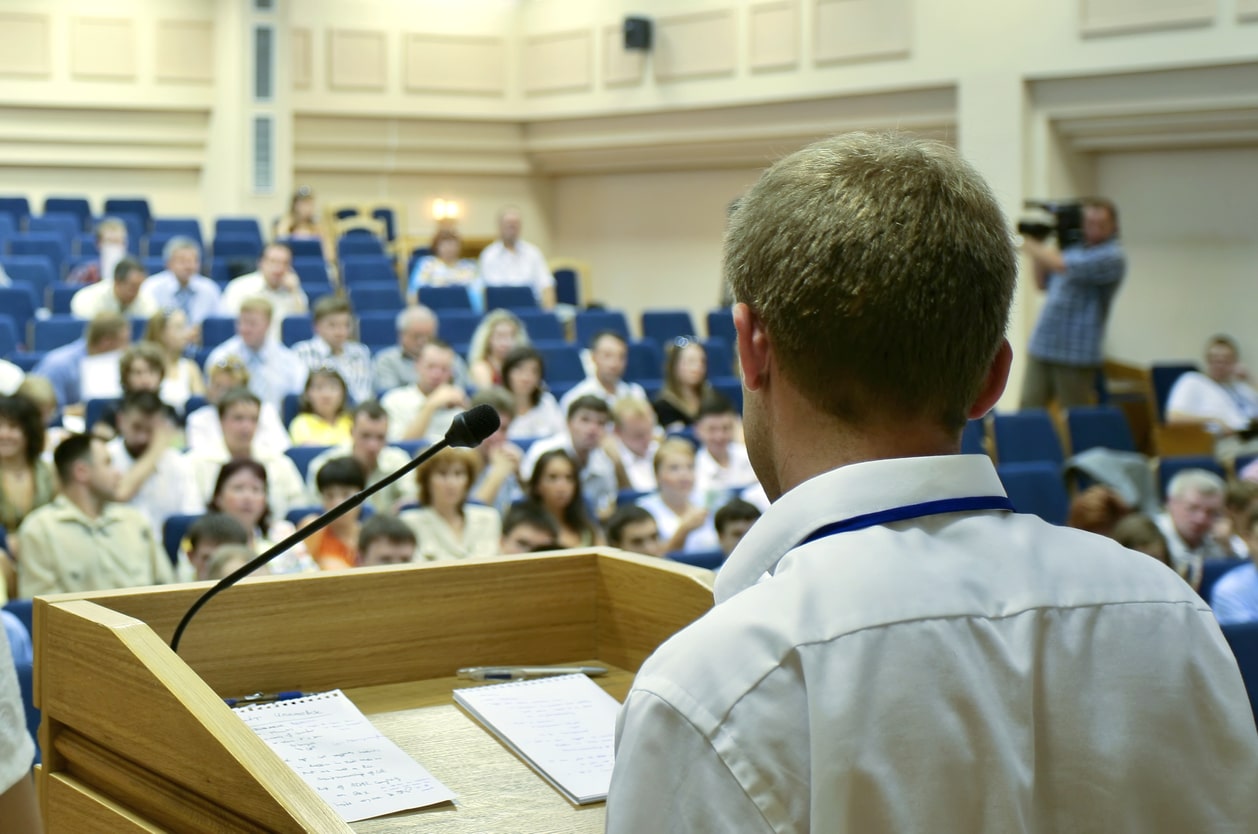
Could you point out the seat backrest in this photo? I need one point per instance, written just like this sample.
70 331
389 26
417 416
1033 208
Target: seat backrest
377 328
973 437
245 227
311 270
1162 376
8 335
1026 436
18 300
134 206
663 326
301 456
36 270
589 323
1102 426
1036 487
510 298
567 287
49 244
173 532
645 363
65 225
359 244
78 206
367 268
236 247
1243 638
19 208
563 364
445 298
55 331
304 247
296 328
96 408
375 296
456 326
217 329
542 325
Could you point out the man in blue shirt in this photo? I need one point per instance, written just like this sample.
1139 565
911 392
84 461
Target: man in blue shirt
106 333
274 370
1080 283
1235 596
180 286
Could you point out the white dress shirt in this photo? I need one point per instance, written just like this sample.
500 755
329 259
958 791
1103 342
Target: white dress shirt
1233 405
274 370
170 490
968 672
667 521
522 266
716 484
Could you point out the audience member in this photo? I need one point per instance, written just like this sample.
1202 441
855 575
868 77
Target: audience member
425 410
181 286
1241 497
83 540
445 267
447 526
385 540
302 222
26 480
204 431
274 370
499 332
537 414
527 528
368 444
609 354
1235 595
1079 283
155 478
636 436
554 488
19 804
512 262
732 522
323 417
685 384
1194 504
499 484
229 558
273 280
241 491
684 525
103 341
394 367
587 442
207 534
38 390
1097 509
331 347
182 377
722 466
1137 531
633 528
111 248
121 294
1221 400
335 547
142 367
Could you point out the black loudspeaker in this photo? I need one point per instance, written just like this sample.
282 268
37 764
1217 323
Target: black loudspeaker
638 33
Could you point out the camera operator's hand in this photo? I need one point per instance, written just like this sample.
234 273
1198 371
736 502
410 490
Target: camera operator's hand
1045 255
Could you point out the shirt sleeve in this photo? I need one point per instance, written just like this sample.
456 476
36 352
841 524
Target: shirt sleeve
17 751
1098 265
37 567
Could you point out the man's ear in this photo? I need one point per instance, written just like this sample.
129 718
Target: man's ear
753 346
994 384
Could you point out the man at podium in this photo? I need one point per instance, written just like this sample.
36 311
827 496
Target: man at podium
893 647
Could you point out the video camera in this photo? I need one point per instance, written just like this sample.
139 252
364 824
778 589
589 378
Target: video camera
1065 220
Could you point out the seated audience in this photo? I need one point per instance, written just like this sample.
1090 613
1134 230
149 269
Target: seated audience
447 526
527 528
240 491
722 467
27 481
425 410
634 529
19 804
323 414
587 442
537 413
1194 504
385 540
1221 400
273 280
332 347
274 370
499 484
609 354
103 341
1235 596
155 478
445 267
684 525
685 384
84 540
512 262
181 286
182 377
500 332
1097 509
335 547
207 534
636 436
732 522
121 294
554 488
368 445
302 222
111 246
1241 497
204 432
229 558
1139 532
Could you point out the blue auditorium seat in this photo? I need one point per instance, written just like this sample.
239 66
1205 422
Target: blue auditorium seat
1102 426
1036 487
589 323
1026 436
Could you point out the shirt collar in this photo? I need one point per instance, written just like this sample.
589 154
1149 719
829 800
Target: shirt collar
846 492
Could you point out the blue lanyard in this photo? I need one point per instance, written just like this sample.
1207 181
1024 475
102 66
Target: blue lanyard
910 511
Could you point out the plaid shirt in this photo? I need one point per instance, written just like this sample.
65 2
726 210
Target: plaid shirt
1072 322
353 364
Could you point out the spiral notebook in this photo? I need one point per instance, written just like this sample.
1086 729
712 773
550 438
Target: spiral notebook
563 726
331 745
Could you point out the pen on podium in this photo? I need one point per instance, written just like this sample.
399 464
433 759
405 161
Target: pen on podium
516 673
263 698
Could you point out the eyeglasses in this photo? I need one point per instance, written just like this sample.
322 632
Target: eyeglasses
685 341
303 191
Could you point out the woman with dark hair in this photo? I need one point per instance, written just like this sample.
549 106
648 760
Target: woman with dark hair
240 492
537 413
26 480
445 267
685 384
323 417
555 487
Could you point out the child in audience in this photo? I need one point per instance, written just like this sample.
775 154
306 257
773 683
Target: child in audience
684 525
240 492
500 332
634 529
527 528
447 526
335 547
555 488
229 558
722 466
635 431
207 534
1139 532
323 417
537 413
385 540
182 377
685 384
732 522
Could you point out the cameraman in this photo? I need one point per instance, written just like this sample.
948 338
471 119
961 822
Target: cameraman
1080 281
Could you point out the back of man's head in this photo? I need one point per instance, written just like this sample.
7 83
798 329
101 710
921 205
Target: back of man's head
882 270
75 448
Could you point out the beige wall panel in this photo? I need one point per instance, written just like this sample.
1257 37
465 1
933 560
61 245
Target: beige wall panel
357 59
1104 17
695 45
102 48
854 30
25 44
302 69
558 62
774 34
441 64
1247 9
621 67
185 51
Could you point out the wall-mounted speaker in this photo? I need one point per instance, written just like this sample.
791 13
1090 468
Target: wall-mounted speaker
638 33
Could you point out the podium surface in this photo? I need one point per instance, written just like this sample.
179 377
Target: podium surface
136 738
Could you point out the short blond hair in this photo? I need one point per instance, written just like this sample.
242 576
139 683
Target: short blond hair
258 304
627 407
672 446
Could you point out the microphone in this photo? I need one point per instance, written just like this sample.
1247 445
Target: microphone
469 429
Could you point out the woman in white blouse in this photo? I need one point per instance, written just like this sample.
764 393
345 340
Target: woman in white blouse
537 413
447 527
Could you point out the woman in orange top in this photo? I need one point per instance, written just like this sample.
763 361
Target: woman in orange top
335 547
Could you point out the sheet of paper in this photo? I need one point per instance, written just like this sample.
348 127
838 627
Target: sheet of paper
99 376
564 726
327 741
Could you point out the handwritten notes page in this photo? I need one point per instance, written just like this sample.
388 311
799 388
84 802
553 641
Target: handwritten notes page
336 750
564 726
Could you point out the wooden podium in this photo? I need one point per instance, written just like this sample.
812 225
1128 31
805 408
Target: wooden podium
136 738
